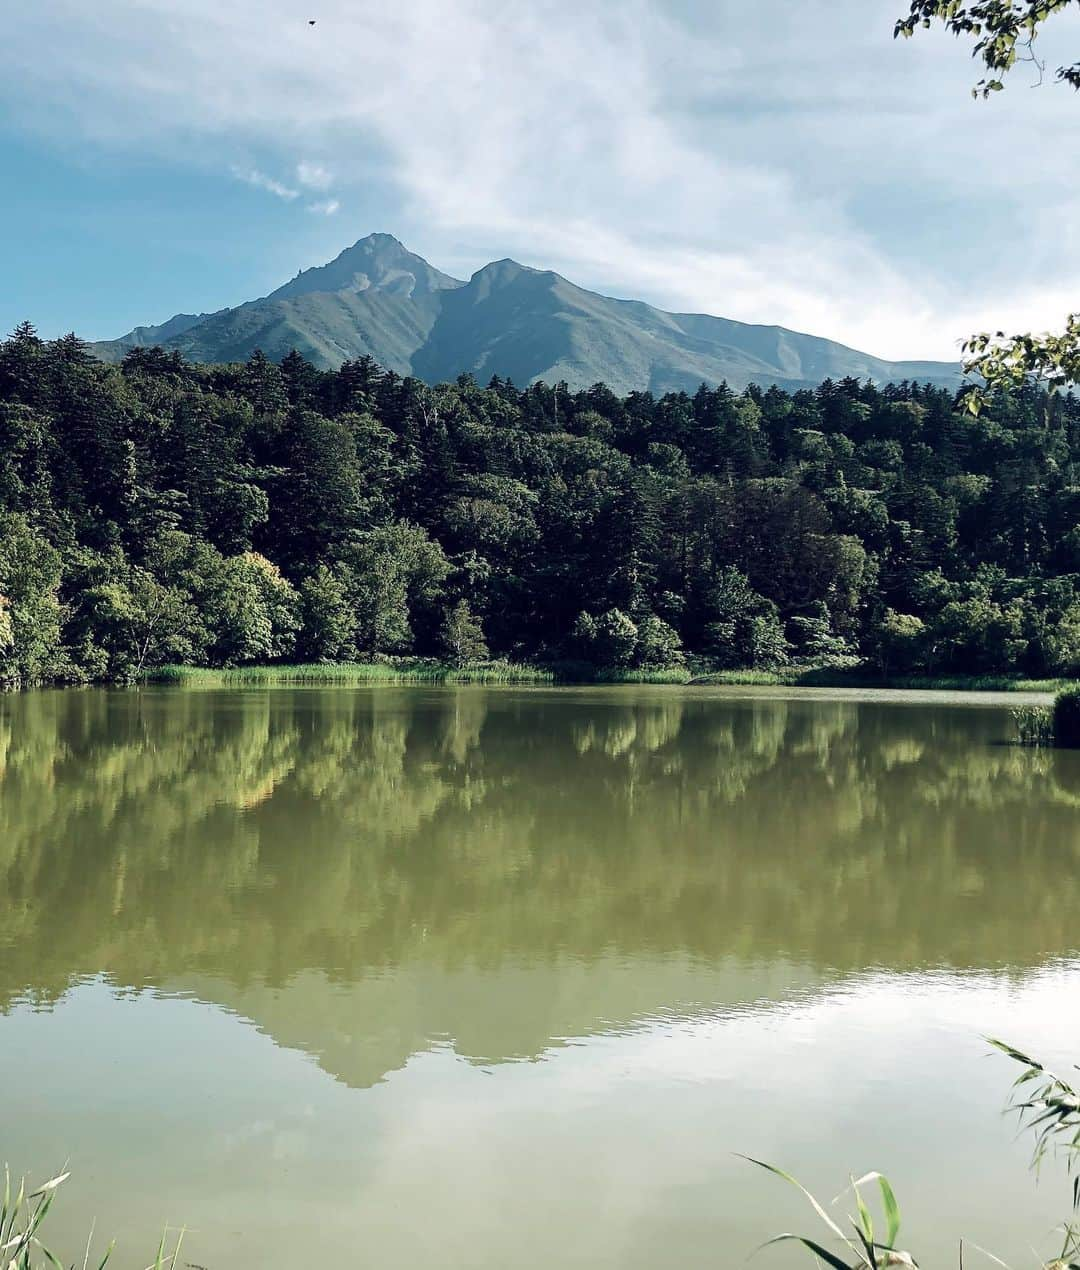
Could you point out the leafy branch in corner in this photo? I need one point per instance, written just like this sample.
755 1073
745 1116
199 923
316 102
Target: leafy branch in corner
1010 361
1004 31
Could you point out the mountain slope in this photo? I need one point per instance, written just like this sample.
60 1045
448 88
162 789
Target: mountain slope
524 324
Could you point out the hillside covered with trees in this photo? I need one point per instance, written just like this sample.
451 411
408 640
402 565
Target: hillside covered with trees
158 511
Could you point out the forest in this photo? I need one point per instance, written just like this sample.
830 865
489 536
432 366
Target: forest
158 512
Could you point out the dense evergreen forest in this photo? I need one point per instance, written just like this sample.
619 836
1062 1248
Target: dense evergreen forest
158 512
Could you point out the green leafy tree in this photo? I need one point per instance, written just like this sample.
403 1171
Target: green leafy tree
583 636
463 636
658 644
7 626
764 643
813 637
395 584
744 627
900 643
252 611
328 621
315 492
616 639
1005 34
30 572
1061 644
144 623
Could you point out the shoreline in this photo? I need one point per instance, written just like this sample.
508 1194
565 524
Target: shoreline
430 671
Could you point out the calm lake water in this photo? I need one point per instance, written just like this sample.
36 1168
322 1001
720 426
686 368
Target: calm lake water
504 978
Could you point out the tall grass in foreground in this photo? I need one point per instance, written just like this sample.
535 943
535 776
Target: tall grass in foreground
1044 1103
401 671
21 1220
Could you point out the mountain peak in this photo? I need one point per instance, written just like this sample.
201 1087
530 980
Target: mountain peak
377 245
503 273
504 269
379 262
378 299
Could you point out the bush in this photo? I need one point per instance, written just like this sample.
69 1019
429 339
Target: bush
901 643
616 639
1067 718
813 637
658 645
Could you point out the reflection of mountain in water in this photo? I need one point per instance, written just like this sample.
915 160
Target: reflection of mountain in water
362 1030
361 872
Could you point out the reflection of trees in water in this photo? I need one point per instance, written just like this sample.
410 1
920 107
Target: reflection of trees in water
255 834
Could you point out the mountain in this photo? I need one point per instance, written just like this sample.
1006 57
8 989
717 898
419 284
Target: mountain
380 299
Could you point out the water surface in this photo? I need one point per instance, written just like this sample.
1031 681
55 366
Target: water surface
505 977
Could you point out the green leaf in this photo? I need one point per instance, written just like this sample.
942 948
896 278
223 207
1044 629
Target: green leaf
830 1259
892 1210
771 1168
866 1222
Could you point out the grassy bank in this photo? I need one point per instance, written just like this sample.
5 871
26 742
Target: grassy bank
673 675
828 678
423 670
399 671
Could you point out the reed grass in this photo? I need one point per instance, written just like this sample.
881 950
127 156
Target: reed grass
424 670
826 677
1046 1105
398 671
22 1217
867 1248
670 675
1034 725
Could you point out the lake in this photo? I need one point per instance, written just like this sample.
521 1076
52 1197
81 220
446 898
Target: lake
507 977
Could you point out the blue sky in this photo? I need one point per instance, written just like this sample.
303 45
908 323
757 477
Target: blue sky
789 164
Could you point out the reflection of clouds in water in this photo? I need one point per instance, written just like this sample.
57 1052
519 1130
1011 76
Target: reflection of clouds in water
269 1137
615 1137
879 1071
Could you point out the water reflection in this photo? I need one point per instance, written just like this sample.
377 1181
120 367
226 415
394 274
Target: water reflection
364 872
729 924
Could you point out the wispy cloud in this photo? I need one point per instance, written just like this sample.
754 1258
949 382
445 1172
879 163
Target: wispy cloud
252 176
325 207
314 176
774 163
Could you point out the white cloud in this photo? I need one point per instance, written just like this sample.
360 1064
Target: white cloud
252 176
774 163
313 175
325 207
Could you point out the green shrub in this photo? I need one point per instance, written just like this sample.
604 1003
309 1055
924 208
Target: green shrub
615 640
658 645
1067 718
